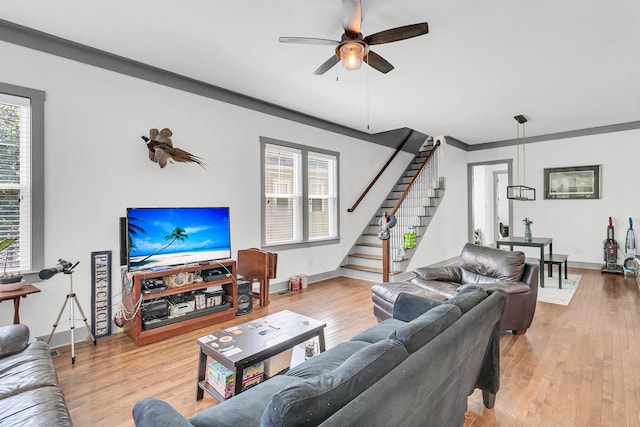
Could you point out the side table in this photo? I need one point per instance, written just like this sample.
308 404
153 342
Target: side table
15 296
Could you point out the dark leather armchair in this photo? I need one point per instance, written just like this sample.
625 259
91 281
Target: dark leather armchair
481 266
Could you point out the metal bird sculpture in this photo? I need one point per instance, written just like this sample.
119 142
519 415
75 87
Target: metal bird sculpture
161 149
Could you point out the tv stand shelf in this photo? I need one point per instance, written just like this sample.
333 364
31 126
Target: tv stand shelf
142 334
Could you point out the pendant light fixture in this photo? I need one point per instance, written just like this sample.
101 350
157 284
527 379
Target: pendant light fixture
520 192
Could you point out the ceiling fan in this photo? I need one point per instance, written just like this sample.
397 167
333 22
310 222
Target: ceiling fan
353 48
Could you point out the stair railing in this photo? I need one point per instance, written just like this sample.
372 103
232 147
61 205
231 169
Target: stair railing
382 170
410 208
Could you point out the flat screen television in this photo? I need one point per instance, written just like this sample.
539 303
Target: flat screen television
164 237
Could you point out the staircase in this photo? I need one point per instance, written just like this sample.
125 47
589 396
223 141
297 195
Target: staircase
412 208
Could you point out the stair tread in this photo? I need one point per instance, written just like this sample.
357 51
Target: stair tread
367 256
369 269
371 245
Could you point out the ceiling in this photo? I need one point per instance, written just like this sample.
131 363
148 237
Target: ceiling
566 65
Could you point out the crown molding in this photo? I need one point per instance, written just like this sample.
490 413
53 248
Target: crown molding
58 46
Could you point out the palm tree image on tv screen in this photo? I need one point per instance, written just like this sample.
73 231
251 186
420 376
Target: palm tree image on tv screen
164 237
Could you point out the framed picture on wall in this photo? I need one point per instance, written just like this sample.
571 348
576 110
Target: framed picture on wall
577 182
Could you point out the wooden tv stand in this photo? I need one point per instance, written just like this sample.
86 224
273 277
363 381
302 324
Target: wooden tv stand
132 298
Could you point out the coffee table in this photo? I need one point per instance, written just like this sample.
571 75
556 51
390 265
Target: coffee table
249 343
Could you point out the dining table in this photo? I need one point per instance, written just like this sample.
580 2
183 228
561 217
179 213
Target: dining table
536 242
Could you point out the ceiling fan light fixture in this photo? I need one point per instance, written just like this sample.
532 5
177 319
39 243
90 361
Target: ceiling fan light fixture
352 54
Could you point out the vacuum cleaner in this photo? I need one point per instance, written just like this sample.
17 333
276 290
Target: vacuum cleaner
611 252
630 251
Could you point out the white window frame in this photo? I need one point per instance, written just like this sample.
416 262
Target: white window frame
33 233
301 219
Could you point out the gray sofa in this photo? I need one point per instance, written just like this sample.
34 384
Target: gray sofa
29 390
416 369
479 266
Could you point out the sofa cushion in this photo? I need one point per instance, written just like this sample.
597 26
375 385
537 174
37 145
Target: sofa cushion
42 406
245 409
310 402
29 369
435 289
508 287
425 327
379 332
13 338
327 361
417 332
446 273
390 291
482 264
467 298
410 306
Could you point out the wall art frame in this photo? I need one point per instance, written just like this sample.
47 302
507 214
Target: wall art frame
575 182
101 294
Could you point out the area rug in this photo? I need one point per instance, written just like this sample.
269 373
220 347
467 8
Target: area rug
551 294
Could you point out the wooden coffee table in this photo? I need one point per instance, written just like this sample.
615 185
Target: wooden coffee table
255 341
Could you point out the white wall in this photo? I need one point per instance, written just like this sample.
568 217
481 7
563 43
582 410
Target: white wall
578 227
96 165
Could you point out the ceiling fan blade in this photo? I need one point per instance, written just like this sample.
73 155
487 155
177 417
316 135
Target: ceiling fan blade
395 34
327 65
308 40
351 17
378 62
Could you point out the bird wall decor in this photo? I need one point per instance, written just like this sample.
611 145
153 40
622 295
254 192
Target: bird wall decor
161 149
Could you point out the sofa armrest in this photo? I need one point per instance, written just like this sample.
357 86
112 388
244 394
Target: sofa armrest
409 306
447 274
13 338
530 275
155 413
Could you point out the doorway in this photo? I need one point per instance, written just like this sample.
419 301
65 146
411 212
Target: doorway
490 212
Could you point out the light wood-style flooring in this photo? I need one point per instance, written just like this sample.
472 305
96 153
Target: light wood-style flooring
576 366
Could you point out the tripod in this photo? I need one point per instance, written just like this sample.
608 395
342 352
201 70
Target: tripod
71 295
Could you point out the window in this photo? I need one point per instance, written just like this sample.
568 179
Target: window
283 195
300 194
322 188
21 176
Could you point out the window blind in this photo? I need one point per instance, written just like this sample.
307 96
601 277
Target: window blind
283 194
15 180
322 194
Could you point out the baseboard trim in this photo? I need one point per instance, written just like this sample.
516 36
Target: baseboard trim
284 286
585 265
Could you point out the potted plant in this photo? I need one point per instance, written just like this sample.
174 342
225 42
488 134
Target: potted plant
8 278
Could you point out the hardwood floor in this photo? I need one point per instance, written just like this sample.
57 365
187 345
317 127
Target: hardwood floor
576 366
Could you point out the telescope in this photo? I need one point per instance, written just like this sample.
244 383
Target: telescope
62 265
67 268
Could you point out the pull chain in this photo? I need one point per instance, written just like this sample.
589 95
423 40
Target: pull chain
367 89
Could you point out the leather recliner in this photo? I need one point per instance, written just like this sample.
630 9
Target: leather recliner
481 266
